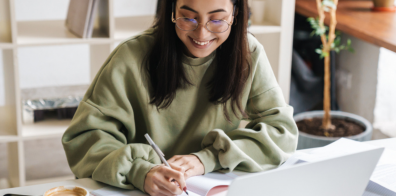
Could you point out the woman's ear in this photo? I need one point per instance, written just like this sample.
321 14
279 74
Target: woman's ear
235 15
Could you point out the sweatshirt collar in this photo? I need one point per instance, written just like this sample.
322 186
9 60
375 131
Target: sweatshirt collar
197 61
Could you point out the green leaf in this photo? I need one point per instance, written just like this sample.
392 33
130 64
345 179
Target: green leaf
319 51
349 42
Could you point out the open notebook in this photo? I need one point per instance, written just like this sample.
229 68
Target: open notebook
197 186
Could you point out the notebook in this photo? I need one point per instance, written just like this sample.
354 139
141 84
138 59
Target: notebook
197 186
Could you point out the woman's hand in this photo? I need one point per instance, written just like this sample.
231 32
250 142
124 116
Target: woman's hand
158 181
188 163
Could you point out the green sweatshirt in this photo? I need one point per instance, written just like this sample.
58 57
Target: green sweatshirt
106 142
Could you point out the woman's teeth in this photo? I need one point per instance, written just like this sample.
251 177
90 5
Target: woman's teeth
201 43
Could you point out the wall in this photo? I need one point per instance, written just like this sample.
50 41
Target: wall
385 106
366 85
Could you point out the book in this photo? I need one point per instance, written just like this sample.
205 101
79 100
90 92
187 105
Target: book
80 17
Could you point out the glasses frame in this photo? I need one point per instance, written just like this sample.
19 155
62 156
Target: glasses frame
206 24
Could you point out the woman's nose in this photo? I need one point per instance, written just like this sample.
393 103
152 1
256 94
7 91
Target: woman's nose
202 31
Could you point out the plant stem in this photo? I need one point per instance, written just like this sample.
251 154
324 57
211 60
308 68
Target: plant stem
326 123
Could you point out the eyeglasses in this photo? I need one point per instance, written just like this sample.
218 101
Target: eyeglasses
190 24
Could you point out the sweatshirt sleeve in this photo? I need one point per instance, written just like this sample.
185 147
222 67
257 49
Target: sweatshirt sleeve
270 137
101 141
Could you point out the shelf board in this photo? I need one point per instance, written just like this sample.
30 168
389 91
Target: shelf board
51 32
265 27
45 129
4 45
8 138
49 180
126 27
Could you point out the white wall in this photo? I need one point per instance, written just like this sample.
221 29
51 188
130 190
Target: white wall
45 66
385 106
28 10
124 8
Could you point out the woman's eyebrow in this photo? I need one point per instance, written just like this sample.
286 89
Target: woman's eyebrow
211 12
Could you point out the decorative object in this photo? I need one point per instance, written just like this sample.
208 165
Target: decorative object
325 132
384 5
311 141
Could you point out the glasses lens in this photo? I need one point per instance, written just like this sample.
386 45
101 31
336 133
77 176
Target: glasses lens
186 24
217 26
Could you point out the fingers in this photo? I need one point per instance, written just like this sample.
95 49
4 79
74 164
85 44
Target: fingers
164 186
174 158
173 174
160 191
158 181
177 167
189 173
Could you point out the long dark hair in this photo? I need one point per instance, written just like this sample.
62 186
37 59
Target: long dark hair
166 72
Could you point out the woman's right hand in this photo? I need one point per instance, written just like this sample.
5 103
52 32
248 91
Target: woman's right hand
158 181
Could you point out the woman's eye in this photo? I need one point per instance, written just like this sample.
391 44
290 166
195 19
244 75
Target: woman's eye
217 21
188 20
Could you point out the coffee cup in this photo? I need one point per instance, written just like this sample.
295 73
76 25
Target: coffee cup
68 190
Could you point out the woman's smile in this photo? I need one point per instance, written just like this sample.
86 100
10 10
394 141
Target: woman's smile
201 44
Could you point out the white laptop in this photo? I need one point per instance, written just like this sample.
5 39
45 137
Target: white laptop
345 175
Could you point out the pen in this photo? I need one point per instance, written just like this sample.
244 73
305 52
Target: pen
160 154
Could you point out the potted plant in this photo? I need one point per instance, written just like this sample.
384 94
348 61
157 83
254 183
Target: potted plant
319 128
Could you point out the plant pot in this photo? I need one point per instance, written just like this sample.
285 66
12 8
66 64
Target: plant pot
311 141
384 5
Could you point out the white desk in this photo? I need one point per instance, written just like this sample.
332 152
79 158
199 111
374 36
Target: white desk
93 185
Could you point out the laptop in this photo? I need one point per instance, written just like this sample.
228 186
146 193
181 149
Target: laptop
345 175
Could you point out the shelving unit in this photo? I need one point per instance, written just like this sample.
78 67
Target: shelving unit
275 34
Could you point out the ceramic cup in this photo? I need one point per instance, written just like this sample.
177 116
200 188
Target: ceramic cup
68 190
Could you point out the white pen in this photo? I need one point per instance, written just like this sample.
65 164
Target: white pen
160 154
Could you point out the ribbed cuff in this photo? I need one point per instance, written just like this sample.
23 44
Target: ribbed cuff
209 159
137 174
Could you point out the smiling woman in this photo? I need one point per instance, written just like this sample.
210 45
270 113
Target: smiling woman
179 81
201 28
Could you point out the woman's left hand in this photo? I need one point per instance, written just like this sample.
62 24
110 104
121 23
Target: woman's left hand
190 164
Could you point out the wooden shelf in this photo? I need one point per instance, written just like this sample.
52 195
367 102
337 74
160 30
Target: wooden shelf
45 129
51 32
8 138
6 45
357 19
264 28
126 27
49 180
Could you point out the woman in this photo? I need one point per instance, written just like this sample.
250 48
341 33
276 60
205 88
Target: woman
187 82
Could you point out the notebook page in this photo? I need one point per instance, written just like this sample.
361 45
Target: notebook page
196 186
201 185
374 189
385 175
114 191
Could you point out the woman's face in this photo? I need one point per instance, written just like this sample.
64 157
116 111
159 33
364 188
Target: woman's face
201 42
